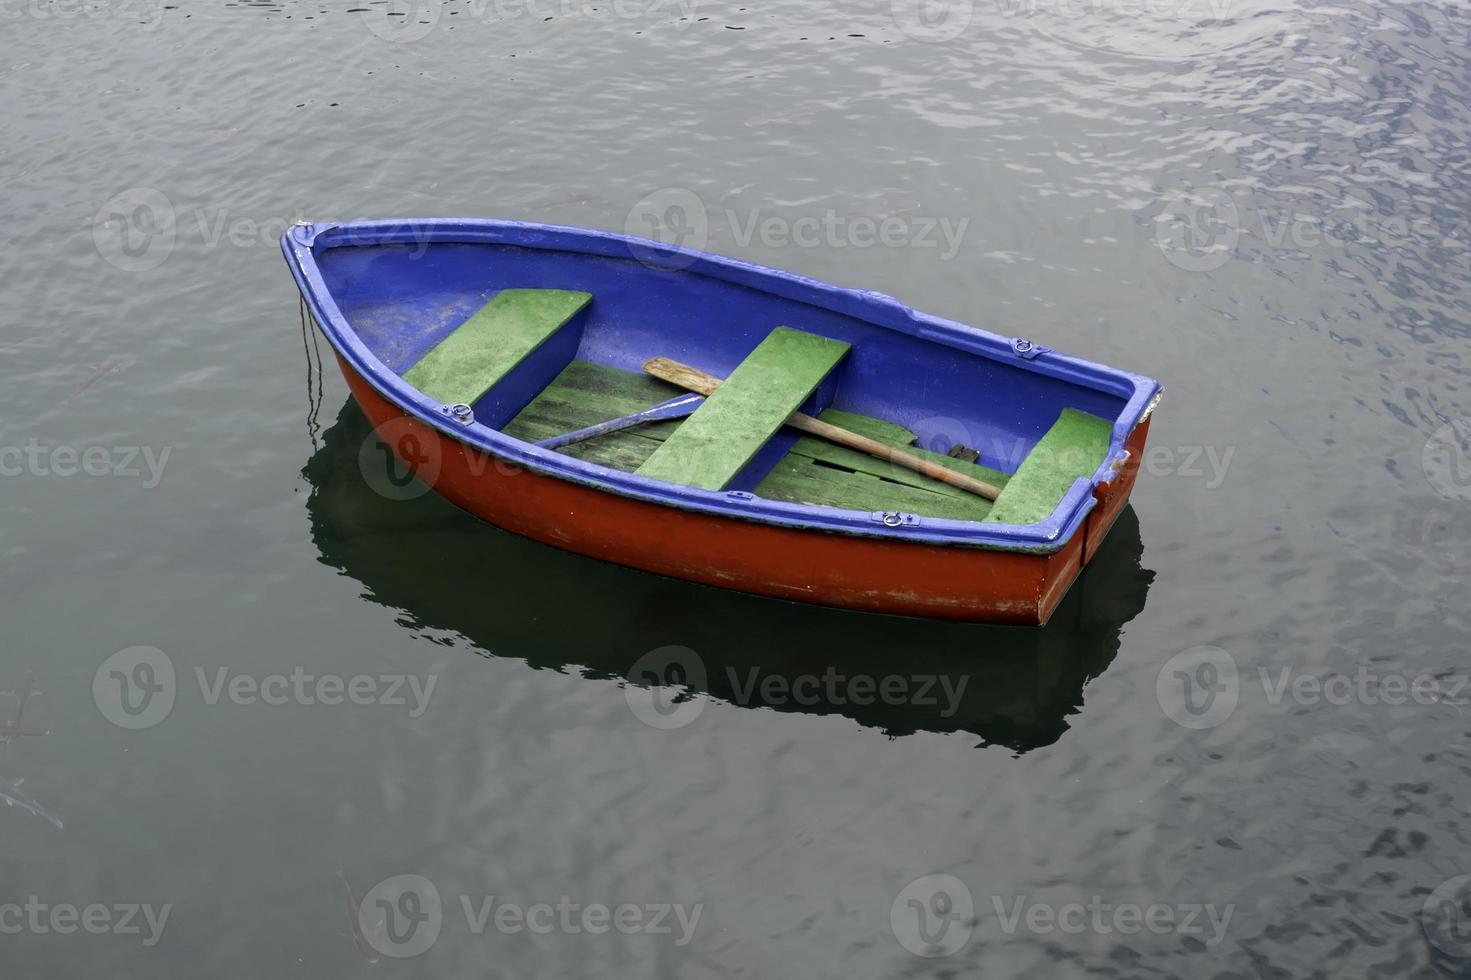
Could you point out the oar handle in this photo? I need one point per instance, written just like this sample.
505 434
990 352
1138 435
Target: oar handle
697 380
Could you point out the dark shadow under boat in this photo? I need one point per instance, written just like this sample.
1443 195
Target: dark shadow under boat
511 597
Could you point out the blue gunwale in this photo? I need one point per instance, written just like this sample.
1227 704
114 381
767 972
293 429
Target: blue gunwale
301 244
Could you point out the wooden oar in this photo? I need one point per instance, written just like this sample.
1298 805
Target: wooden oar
674 408
698 381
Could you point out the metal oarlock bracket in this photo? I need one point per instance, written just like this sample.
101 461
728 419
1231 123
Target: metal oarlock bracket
463 414
894 518
1026 349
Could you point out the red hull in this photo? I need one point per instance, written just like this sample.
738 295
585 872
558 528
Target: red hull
807 566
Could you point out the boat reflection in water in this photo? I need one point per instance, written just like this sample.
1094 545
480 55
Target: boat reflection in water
511 597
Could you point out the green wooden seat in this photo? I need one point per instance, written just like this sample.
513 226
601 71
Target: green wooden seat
1075 446
486 347
711 446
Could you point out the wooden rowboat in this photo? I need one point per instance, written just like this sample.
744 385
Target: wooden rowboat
474 347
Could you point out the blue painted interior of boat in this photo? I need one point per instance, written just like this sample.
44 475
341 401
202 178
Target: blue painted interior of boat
387 292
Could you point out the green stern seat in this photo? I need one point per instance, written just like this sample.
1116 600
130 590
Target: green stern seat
1075 446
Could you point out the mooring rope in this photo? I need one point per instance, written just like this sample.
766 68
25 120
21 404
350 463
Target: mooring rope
313 373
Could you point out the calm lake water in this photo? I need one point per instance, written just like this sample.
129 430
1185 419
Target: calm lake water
1239 750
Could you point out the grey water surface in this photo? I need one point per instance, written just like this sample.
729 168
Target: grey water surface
295 719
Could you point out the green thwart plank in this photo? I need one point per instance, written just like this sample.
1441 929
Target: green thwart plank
1075 446
712 445
500 335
